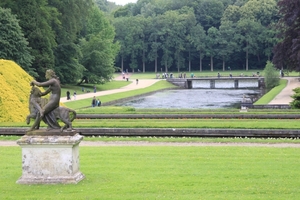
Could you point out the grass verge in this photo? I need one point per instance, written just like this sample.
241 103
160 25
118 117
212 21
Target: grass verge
267 98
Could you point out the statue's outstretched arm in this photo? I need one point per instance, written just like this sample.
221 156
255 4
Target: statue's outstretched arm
46 92
43 84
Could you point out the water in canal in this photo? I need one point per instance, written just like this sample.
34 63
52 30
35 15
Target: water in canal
193 98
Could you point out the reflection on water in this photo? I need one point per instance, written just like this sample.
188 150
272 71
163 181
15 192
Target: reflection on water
192 98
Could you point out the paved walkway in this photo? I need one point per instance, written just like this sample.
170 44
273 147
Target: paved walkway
133 86
284 97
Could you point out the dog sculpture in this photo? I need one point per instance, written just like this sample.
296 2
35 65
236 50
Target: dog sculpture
35 106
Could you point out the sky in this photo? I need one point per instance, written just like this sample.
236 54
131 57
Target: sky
123 2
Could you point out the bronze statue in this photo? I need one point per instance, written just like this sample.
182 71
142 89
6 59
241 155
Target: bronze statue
48 111
35 107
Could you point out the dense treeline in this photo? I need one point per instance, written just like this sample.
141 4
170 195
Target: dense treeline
72 37
88 40
177 35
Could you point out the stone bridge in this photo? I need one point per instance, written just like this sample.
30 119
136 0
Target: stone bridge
219 83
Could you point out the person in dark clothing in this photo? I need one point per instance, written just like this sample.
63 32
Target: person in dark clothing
94 102
68 95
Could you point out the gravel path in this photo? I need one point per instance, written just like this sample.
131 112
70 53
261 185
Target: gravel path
133 86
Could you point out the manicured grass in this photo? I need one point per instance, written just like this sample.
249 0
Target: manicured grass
166 172
268 97
190 123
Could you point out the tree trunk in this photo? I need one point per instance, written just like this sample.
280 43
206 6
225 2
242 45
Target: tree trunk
155 64
247 58
166 66
223 64
211 63
200 61
144 61
122 63
190 62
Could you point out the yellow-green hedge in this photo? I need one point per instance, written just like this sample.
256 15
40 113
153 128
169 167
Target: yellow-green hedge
14 92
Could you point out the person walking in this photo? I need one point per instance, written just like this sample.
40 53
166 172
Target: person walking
74 95
68 95
94 102
98 102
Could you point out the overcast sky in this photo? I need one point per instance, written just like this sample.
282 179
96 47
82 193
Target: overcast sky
123 2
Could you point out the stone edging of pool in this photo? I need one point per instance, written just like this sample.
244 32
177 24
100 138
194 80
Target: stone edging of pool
173 132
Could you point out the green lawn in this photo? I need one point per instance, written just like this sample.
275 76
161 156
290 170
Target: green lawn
166 172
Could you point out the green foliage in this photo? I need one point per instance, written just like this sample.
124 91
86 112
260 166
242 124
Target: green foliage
98 48
286 52
36 19
186 34
296 102
14 45
271 76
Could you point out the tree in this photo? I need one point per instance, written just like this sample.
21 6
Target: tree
227 42
121 26
213 36
296 102
98 48
36 18
286 52
208 12
198 39
72 18
271 76
249 30
154 42
14 45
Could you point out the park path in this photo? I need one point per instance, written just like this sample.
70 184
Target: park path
284 97
133 86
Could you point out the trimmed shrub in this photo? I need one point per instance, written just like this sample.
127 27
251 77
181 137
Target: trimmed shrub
14 92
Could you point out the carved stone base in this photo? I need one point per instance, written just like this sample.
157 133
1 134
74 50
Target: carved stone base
50 159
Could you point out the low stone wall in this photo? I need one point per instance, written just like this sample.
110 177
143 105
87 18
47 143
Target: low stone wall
272 106
176 132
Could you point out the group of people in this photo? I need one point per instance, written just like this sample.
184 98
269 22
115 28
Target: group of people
96 102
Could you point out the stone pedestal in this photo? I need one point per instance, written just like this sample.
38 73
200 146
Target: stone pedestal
50 158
